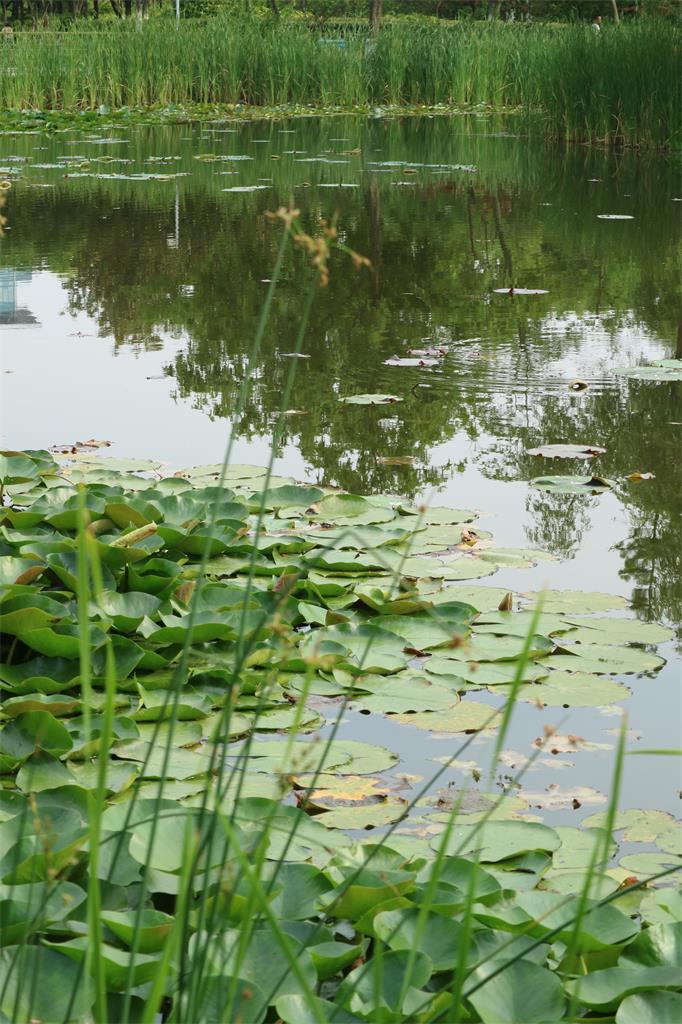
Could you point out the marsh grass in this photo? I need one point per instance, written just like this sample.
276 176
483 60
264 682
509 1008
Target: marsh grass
621 86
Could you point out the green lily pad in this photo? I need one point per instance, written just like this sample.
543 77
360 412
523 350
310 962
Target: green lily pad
41 984
439 937
115 963
571 689
573 484
603 658
295 1009
500 840
522 991
605 989
406 691
601 630
467 716
575 602
660 369
650 1008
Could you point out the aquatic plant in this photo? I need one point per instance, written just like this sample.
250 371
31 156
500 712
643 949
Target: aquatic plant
149 832
160 853
619 87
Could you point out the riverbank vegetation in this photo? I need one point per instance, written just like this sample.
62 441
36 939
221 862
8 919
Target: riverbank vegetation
619 86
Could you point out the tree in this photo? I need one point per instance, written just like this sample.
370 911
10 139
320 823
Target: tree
616 16
375 11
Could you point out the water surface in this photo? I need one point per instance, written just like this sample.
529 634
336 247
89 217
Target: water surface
131 282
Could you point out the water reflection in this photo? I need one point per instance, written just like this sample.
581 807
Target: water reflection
177 265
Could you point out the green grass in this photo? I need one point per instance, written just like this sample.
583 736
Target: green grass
621 86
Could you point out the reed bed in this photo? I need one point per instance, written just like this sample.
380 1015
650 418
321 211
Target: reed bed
620 86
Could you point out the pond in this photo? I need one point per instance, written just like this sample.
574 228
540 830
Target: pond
135 262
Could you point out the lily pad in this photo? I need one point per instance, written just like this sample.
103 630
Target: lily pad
659 370
571 689
371 399
603 659
467 716
567 451
573 484
650 1008
520 291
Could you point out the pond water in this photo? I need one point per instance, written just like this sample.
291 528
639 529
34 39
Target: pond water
135 263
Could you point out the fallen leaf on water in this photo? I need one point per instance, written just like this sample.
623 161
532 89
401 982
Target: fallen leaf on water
469 537
641 476
396 460
578 385
507 603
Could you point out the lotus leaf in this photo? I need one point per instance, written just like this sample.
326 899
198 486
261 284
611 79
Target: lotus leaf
650 1008
295 1009
370 399
467 716
38 983
501 840
522 991
660 369
366 987
571 689
573 484
603 658
605 989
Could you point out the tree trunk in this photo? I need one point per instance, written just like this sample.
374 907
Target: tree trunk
375 11
616 16
117 8
272 4
494 9
95 8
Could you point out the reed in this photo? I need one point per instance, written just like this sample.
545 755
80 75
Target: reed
620 86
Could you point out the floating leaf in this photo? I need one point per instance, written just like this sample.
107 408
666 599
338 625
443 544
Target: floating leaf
41 984
659 370
520 291
500 840
467 716
370 399
523 991
572 484
605 989
572 689
651 1008
566 451
575 602
603 658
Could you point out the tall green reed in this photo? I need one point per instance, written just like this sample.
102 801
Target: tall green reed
620 86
